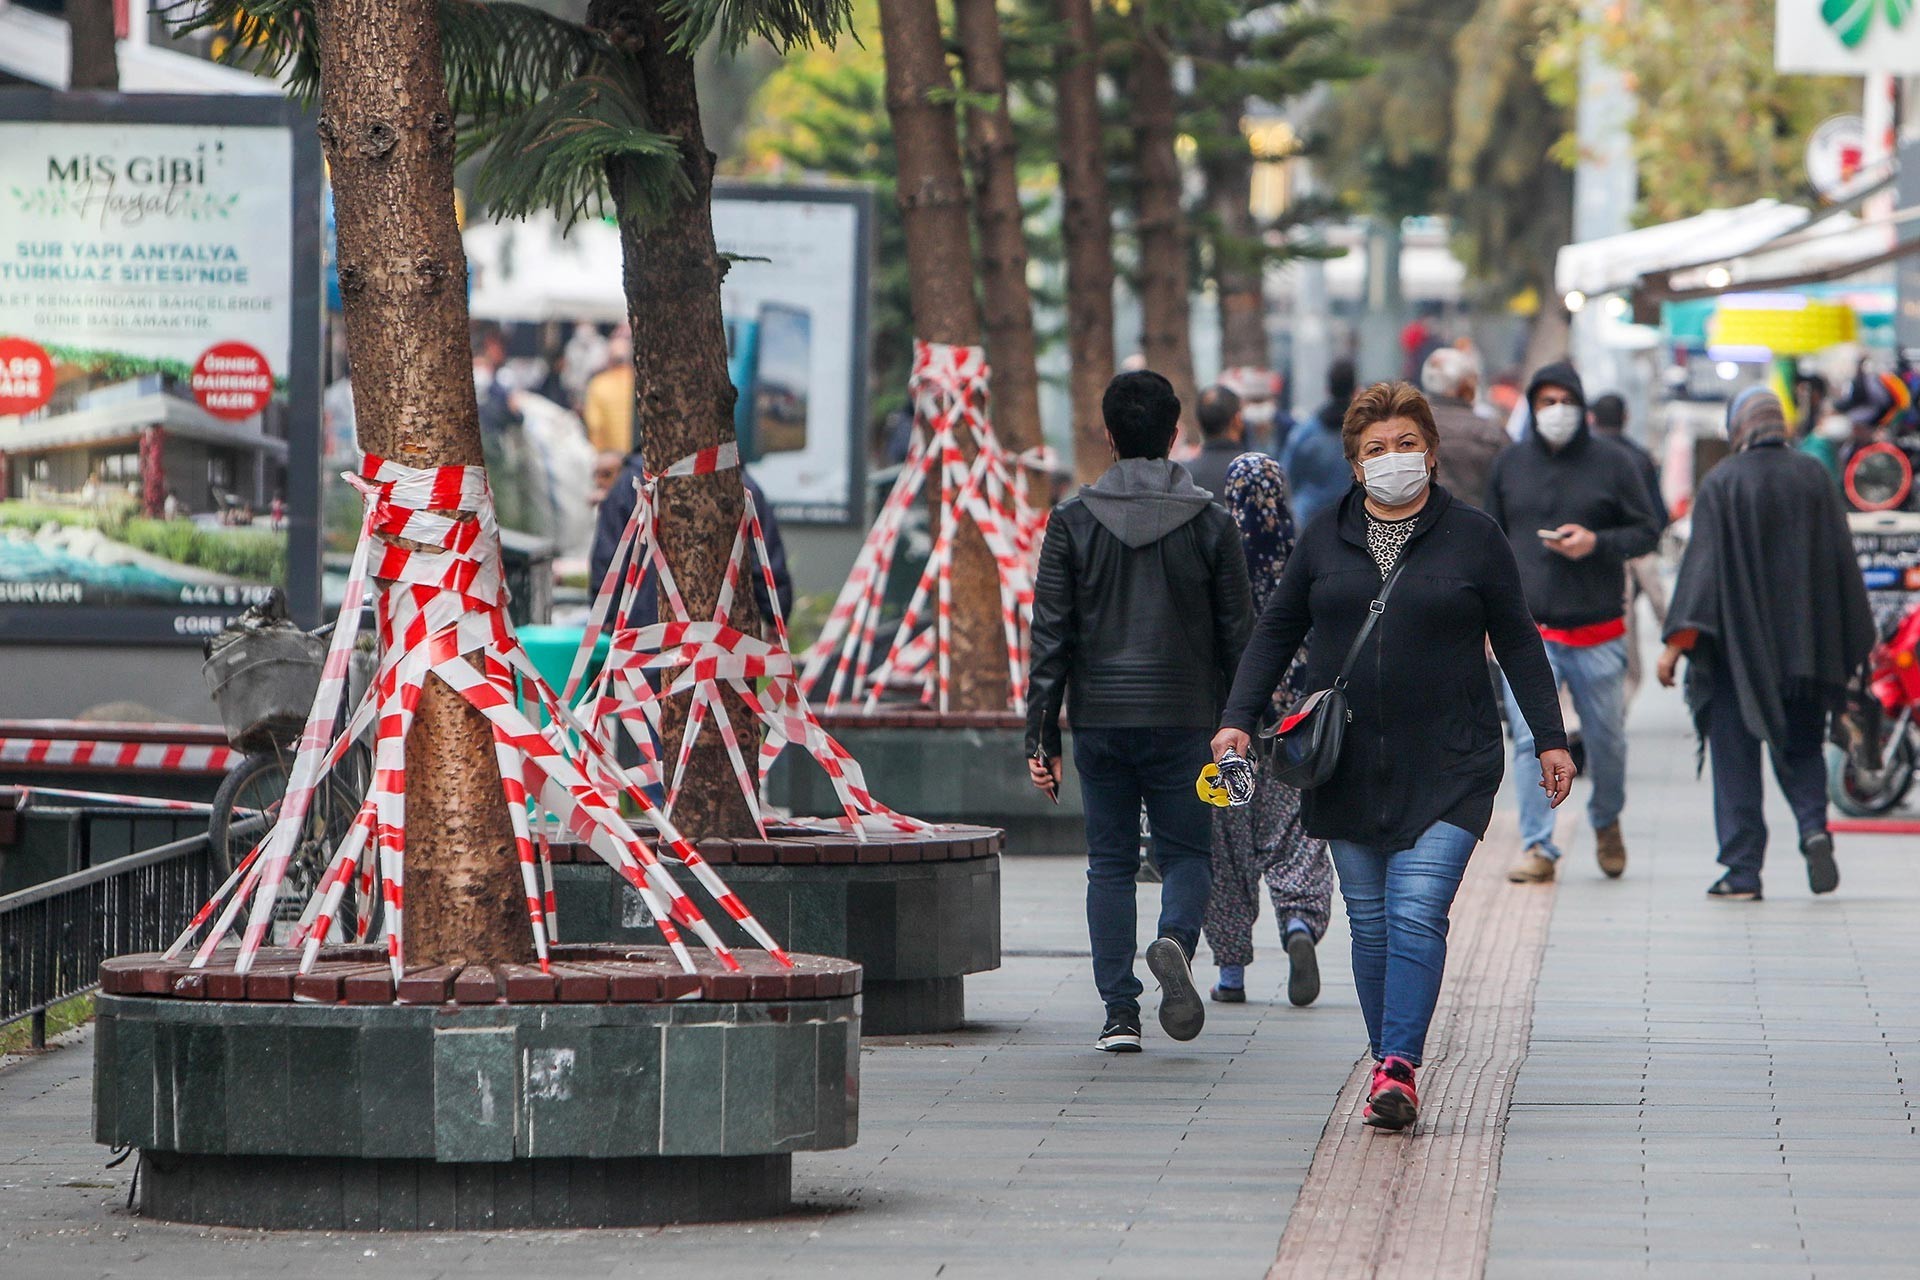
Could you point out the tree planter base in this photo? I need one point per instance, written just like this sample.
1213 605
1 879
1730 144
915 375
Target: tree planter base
963 767
345 1194
614 1091
917 912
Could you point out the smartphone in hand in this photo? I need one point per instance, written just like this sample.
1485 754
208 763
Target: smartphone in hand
1550 535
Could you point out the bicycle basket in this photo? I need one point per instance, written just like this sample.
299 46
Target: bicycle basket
263 682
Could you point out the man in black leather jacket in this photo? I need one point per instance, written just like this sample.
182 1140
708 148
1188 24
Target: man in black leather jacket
1139 616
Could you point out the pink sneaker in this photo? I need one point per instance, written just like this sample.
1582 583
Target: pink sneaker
1392 1102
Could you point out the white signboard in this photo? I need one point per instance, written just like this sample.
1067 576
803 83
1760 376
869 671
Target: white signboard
796 337
158 337
1846 37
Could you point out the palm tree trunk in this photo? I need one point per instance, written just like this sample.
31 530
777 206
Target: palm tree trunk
1087 226
672 272
93 59
1007 303
1236 262
933 211
1166 326
388 135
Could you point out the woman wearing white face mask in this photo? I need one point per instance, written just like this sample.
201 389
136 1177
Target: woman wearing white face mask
1421 757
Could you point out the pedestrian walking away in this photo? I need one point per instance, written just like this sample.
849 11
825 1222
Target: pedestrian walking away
1316 467
1265 843
1413 789
1223 434
1140 612
1451 380
1772 614
1608 418
1575 510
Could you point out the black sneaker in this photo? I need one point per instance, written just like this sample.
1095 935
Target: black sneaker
1303 979
1734 891
1182 1013
1120 1035
1823 875
1228 995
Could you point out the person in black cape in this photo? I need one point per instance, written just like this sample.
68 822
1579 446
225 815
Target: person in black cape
1772 614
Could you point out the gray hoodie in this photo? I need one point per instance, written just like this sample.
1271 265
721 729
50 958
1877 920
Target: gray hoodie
1142 500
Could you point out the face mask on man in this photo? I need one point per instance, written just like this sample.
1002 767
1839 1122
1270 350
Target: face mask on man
1395 479
1557 423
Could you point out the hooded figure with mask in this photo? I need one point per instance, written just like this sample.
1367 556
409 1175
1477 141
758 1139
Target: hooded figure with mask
1576 510
1772 613
1141 608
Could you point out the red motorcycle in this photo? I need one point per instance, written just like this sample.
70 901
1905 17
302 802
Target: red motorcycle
1881 740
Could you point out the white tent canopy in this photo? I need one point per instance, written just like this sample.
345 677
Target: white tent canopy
1618 262
530 271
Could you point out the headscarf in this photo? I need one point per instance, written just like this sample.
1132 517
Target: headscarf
1755 415
1256 497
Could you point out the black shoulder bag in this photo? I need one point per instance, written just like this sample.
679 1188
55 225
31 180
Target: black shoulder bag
1306 742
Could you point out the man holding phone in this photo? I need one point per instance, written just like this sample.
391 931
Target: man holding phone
1576 511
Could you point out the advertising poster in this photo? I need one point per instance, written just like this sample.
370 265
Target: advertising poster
1887 545
795 300
158 364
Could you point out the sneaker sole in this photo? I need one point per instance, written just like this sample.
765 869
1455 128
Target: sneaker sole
1736 897
1823 874
1390 1110
1118 1044
1303 982
1182 1012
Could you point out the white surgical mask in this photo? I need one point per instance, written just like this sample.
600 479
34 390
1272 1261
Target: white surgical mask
1395 479
1557 422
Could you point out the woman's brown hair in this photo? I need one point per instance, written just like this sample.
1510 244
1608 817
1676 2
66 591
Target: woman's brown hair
1381 402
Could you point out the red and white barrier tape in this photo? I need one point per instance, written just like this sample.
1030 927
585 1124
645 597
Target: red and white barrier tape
431 547
30 794
159 757
949 397
645 665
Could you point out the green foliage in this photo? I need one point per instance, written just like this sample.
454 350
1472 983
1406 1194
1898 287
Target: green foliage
1716 125
784 24
554 154
255 555
1453 121
549 105
824 114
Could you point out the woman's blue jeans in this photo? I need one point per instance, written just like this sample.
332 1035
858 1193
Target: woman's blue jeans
1397 904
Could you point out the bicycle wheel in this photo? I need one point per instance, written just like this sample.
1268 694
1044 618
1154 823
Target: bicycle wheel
247 804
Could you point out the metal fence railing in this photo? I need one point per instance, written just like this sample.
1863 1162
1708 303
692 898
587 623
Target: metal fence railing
54 935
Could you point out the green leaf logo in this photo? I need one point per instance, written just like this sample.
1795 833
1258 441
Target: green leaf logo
1851 20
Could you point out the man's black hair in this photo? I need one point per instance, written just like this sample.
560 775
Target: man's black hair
1341 379
1217 409
1142 414
1609 413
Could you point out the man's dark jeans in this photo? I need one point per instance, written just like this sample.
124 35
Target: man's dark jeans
1119 769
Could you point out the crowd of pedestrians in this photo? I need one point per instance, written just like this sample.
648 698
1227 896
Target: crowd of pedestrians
1404 550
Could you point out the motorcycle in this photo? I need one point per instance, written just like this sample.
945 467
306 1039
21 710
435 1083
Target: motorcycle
1879 747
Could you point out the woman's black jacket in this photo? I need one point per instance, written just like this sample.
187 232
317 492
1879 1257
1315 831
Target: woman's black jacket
1424 742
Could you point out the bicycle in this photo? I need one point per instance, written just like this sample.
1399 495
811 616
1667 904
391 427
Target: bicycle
263 672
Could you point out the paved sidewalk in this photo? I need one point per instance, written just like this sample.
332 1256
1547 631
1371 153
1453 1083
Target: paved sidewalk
1010 1149
1714 1084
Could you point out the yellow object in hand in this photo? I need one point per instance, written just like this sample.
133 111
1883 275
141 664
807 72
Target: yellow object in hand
1211 789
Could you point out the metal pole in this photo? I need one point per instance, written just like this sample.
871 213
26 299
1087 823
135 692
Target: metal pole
37 1028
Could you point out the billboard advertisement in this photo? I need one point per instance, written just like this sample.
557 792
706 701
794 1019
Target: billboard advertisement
159 341
795 300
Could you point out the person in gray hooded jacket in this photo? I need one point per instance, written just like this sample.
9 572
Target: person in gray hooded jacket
1140 612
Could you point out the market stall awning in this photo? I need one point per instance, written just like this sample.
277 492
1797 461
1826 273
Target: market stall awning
1616 263
532 271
